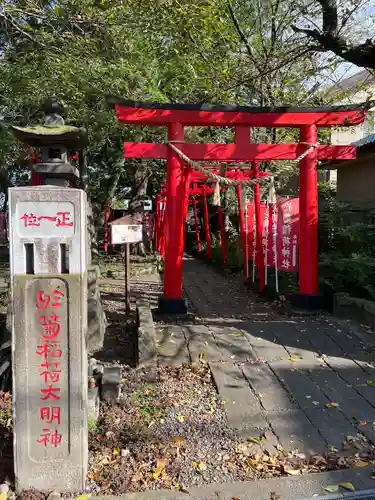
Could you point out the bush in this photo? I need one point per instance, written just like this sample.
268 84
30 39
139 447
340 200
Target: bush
346 250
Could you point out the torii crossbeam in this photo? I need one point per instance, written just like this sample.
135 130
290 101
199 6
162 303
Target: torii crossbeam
178 116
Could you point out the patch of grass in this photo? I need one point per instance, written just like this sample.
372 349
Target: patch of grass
145 399
6 418
92 426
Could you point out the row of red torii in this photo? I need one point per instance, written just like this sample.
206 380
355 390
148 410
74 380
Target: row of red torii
179 173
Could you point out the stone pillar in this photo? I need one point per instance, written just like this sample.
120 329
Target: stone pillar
48 262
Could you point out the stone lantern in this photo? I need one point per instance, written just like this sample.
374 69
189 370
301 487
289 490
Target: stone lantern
55 140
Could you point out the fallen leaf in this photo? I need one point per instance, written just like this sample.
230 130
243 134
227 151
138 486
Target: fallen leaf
361 463
162 420
362 422
260 396
160 469
308 397
199 465
236 334
94 475
85 496
370 383
315 403
332 448
180 487
254 440
206 343
332 488
292 472
347 486
180 418
332 404
179 440
281 449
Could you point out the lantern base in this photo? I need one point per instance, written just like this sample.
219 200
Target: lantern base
172 306
307 302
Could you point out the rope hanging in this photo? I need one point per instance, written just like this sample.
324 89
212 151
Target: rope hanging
218 178
232 182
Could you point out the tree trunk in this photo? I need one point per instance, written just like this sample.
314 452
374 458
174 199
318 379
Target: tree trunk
141 178
99 209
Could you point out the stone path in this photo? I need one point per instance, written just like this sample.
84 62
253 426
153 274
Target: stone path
306 383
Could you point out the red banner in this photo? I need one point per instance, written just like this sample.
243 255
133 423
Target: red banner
287 240
287 233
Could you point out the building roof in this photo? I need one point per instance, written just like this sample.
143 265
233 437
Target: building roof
365 141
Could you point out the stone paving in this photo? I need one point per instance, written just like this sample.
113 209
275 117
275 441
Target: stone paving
304 382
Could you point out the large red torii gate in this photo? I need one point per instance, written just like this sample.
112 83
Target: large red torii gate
242 118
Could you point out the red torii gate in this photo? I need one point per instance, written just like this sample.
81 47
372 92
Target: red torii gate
242 118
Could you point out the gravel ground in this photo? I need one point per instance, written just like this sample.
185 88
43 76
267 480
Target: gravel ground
169 429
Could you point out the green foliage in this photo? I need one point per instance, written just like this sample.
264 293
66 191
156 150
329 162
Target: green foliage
346 249
166 50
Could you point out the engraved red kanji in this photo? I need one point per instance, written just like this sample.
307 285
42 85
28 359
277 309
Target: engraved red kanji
63 219
52 376
50 414
44 300
51 326
49 349
30 220
47 365
53 438
47 217
51 393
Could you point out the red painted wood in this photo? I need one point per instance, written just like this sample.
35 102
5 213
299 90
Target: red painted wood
241 217
139 116
308 199
240 152
207 227
259 257
197 234
162 227
157 223
174 237
222 236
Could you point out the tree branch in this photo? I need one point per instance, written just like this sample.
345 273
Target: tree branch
330 40
241 34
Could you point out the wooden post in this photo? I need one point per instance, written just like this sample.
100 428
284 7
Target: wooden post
127 276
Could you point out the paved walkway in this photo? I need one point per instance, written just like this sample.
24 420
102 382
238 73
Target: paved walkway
305 383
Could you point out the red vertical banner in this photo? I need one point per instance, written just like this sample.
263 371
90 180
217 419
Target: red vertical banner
250 229
287 235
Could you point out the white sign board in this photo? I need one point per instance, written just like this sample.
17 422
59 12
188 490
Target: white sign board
44 219
124 233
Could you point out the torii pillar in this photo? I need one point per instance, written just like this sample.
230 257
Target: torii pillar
172 301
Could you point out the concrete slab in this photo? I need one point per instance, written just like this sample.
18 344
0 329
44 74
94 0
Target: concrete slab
286 488
232 343
200 341
242 406
295 431
171 346
273 396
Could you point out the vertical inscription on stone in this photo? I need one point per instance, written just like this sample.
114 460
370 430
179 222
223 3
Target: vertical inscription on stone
48 344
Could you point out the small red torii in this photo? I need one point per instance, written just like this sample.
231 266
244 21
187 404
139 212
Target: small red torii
178 116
